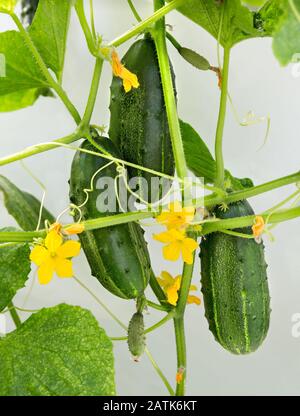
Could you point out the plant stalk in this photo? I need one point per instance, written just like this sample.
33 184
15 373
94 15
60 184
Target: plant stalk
14 315
220 172
50 80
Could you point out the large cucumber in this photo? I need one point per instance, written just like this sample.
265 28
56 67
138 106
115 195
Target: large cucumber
235 286
138 124
117 255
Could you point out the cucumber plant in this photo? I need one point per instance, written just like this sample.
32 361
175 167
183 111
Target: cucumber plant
147 140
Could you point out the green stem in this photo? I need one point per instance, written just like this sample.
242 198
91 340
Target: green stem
134 11
174 42
169 96
93 93
90 39
152 328
157 306
181 353
182 171
160 373
185 288
241 222
211 201
51 82
113 316
14 315
40 148
145 24
207 227
157 290
220 173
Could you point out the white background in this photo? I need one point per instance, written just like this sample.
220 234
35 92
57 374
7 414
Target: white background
257 83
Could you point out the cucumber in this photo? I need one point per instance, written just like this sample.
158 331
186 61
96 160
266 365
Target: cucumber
138 124
136 337
29 8
117 255
235 286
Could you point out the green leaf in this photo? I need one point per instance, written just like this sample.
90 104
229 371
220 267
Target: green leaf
59 351
22 71
49 31
237 21
23 206
14 269
21 99
7 6
198 156
281 19
201 162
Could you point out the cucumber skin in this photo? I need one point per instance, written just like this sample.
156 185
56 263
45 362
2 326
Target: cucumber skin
136 337
138 124
117 255
235 286
29 8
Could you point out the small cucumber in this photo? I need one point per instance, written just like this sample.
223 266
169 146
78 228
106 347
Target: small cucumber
136 337
235 286
138 124
117 255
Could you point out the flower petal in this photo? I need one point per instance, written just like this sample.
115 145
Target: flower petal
168 278
69 249
39 255
53 241
172 251
63 267
193 299
172 296
116 64
190 244
163 237
45 271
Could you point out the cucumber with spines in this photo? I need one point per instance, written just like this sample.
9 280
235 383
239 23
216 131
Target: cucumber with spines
136 336
235 286
117 255
138 124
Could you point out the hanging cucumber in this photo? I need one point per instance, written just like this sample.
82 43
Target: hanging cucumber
117 255
235 286
136 337
138 124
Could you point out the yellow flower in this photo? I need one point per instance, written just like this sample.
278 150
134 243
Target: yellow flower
258 226
177 216
54 257
177 243
130 80
171 286
74 229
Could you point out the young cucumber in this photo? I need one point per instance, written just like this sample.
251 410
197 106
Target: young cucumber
138 124
136 337
117 255
235 286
